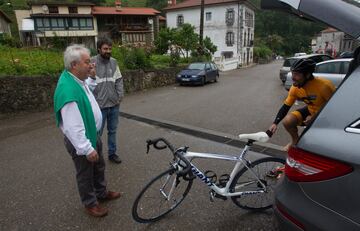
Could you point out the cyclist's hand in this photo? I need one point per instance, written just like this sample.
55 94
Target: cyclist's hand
273 128
93 156
307 120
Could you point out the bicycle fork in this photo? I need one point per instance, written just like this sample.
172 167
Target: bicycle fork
173 186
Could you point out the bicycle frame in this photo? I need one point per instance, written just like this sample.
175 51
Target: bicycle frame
239 162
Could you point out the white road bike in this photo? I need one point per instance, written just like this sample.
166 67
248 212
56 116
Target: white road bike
250 185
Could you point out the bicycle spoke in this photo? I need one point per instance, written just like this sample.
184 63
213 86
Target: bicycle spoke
163 194
255 179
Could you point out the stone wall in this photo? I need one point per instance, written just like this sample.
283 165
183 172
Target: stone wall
36 93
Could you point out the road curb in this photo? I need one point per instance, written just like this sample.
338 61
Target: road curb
228 139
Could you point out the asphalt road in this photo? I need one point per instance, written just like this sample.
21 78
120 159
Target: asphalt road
243 101
38 189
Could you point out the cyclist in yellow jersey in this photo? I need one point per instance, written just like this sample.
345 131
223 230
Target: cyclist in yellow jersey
314 92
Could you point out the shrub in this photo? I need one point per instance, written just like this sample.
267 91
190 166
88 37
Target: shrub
7 40
30 61
262 52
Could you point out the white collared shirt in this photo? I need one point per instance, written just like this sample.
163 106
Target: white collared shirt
72 124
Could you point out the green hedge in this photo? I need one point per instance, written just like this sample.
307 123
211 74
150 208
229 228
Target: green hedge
45 62
30 61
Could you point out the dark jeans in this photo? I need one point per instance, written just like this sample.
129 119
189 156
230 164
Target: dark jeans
110 115
90 177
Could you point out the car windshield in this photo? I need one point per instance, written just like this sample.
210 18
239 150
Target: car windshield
289 62
197 66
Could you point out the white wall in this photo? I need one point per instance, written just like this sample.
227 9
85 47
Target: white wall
334 38
216 28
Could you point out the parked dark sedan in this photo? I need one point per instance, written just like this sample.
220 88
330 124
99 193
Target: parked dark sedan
198 73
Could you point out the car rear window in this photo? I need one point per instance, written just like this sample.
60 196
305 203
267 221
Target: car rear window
196 66
289 62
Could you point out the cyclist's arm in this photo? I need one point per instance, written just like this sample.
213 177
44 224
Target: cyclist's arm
289 101
282 113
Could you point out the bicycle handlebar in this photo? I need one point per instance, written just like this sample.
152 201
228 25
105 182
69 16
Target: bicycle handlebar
177 153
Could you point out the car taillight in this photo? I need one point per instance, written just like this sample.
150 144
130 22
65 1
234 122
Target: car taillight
303 166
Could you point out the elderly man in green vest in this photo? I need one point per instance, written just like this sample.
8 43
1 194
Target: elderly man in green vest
79 117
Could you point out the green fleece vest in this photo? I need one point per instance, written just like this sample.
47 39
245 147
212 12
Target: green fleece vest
68 90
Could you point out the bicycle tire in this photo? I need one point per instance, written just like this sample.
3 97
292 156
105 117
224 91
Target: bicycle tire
161 206
258 201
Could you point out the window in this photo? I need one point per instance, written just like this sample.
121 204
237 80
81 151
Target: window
53 10
331 68
208 16
229 38
73 10
245 39
249 19
73 23
230 17
64 23
180 20
213 66
345 67
39 22
227 54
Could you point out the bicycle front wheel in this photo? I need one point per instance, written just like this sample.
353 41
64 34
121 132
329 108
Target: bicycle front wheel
160 196
268 171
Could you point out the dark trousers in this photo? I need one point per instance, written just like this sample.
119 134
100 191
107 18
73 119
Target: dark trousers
90 177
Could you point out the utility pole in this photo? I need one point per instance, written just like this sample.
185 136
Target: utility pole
201 24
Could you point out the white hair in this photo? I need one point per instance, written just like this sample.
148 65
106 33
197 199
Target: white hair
73 54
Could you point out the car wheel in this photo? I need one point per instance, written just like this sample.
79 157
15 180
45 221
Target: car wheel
216 78
203 81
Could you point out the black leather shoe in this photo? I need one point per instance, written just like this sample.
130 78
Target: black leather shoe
115 158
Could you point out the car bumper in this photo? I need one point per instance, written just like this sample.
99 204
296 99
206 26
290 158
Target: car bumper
297 211
189 80
283 76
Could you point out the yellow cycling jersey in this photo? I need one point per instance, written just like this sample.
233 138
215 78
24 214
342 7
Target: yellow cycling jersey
315 93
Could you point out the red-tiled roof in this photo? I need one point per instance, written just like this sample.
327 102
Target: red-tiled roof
40 3
162 18
194 3
5 16
101 10
329 30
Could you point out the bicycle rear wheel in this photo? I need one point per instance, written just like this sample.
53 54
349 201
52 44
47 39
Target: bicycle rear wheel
246 181
160 196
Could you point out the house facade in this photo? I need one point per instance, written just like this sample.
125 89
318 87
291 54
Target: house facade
229 24
128 25
333 42
4 24
46 20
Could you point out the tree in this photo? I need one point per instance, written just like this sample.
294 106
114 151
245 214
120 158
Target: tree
296 33
209 46
186 38
162 42
275 43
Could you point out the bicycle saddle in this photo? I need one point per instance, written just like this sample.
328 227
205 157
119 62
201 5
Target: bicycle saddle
258 136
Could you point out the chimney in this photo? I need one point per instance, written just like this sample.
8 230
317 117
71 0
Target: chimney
171 2
118 5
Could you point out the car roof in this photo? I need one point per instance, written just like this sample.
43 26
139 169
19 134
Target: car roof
307 56
335 60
